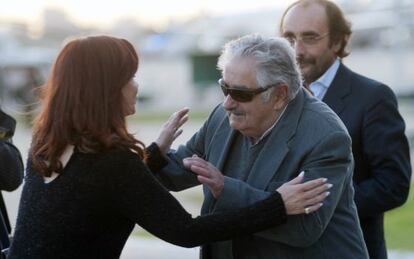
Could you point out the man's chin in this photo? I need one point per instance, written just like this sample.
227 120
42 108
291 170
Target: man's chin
307 74
234 123
304 68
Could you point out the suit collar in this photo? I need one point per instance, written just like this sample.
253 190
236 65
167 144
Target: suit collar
338 90
221 143
277 145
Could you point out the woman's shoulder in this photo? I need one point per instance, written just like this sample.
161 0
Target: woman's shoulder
111 167
117 157
118 153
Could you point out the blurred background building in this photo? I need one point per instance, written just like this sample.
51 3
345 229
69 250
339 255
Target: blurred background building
180 56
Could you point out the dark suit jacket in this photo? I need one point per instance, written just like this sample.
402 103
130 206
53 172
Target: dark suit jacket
11 165
380 148
308 136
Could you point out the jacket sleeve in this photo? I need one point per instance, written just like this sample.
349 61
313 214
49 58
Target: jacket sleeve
331 158
138 196
155 159
11 166
386 149
174 176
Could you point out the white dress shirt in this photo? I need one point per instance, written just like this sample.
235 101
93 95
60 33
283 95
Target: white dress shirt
320 86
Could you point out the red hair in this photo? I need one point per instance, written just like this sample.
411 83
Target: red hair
83 102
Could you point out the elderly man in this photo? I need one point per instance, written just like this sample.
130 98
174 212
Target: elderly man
319 33
268 129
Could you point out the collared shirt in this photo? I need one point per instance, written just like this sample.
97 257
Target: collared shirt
320 86
267 132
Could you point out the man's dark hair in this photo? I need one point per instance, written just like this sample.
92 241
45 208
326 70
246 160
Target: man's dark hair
339 27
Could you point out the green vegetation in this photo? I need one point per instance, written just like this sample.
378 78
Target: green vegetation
141 233
399 226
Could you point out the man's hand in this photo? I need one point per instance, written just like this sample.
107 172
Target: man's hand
206 174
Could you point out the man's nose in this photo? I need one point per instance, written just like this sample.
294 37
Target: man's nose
229 103
299 47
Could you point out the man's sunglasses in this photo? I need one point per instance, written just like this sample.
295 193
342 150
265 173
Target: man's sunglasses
241 95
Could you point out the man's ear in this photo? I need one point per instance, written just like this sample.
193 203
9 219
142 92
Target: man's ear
336 47
338 44
280 96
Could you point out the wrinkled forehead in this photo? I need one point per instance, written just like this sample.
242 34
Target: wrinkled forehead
240 71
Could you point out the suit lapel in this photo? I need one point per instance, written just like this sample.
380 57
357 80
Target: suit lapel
276 146
220 144
338 90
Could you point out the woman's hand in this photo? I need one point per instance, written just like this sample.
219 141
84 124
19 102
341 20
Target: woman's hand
303 197
171 129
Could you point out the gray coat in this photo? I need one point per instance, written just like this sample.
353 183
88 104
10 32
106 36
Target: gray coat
309 137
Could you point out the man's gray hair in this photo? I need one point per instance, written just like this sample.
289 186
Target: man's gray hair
274 57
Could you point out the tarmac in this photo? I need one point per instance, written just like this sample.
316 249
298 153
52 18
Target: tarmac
151 248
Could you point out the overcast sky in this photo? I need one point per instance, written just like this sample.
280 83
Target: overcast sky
149 12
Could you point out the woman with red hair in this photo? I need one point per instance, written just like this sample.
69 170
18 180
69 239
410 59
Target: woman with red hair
88 181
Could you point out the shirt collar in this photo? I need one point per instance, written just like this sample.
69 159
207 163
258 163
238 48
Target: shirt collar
267 132
327 78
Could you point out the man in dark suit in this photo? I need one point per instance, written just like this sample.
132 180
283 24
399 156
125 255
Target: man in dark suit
267 130
11 171
319 33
